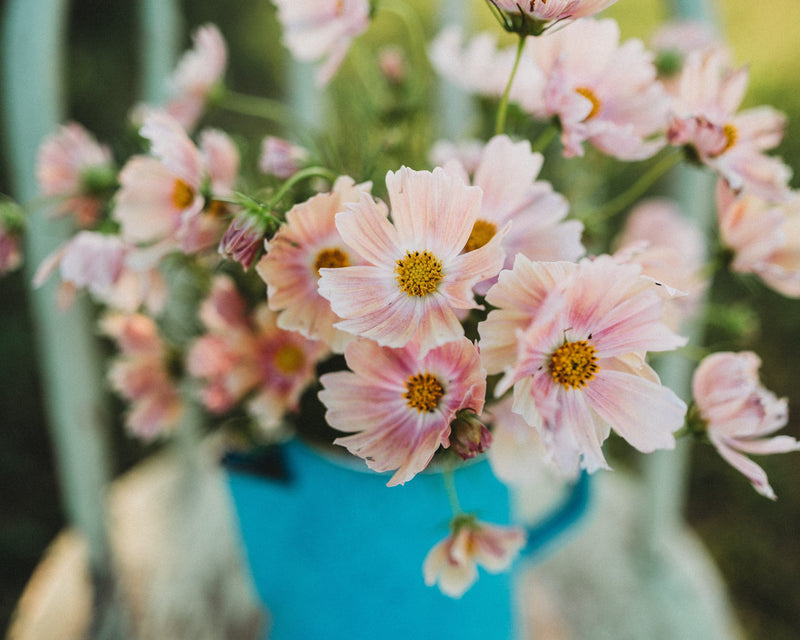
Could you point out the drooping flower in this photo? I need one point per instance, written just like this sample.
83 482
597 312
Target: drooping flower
507 174
764 237
108 269
308 242
416 276
602 91
281 158
399 405
571 339
547 11
705 120
670 250
161 198
141 375
246 355
75 169
452 563
322 30
740 414
198 72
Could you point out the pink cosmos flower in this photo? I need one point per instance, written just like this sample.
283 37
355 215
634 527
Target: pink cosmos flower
507 174
764 237
453 562
161 201
140 375
546 11
322 30
308 242
671 250
416 276
399 405
602 91
281 158
67 163
248 355
705 119
108 269
571 339
740 413
197 73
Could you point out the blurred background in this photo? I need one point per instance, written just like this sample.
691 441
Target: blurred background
753 541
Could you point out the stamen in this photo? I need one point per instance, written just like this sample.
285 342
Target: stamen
574 364
331 259
418 273
482 232
587 93
182 194
731 136
289 359
423 392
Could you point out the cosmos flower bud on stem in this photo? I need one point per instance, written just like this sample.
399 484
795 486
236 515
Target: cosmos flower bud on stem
245 236
469 436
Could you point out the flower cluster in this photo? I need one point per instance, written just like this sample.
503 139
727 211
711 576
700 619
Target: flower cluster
454 305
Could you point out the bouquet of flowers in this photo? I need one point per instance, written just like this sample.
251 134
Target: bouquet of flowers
414 301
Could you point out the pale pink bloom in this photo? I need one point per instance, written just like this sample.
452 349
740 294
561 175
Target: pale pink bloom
416 277
281 158
308 242
602 91
248 357
399 405
161 200
740 413
705 119
671 251
518 455
480 67
547 11
453 562
322 30
507 174
198 72
764 237
66 162
466 152
140 374
107 268
571 339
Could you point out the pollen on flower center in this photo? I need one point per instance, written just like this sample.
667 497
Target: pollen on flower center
331 259
182 194
731 136
418 273
574 364
215 208
423 392
482 232
289 359
587 93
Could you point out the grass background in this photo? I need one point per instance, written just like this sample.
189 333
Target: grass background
753 540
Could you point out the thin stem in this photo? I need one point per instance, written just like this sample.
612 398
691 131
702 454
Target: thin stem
545 138
635 191
448 476
258 107
502 109
303 174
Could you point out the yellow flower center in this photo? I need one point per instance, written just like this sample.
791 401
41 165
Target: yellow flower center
731 136
289 359
216 209
482 232
587 93
423 392
574 364
182 194
418 273
331 259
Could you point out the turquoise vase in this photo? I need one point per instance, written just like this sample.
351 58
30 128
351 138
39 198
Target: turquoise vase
335 554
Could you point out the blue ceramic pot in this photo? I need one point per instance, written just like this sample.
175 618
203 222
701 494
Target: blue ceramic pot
337 555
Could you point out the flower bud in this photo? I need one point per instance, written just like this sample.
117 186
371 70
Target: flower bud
469 436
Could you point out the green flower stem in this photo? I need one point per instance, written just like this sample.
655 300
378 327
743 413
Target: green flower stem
502 109
303 174
258 107
545 138
635 191
448 476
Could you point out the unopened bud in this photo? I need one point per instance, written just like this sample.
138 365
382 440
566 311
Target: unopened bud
468 435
